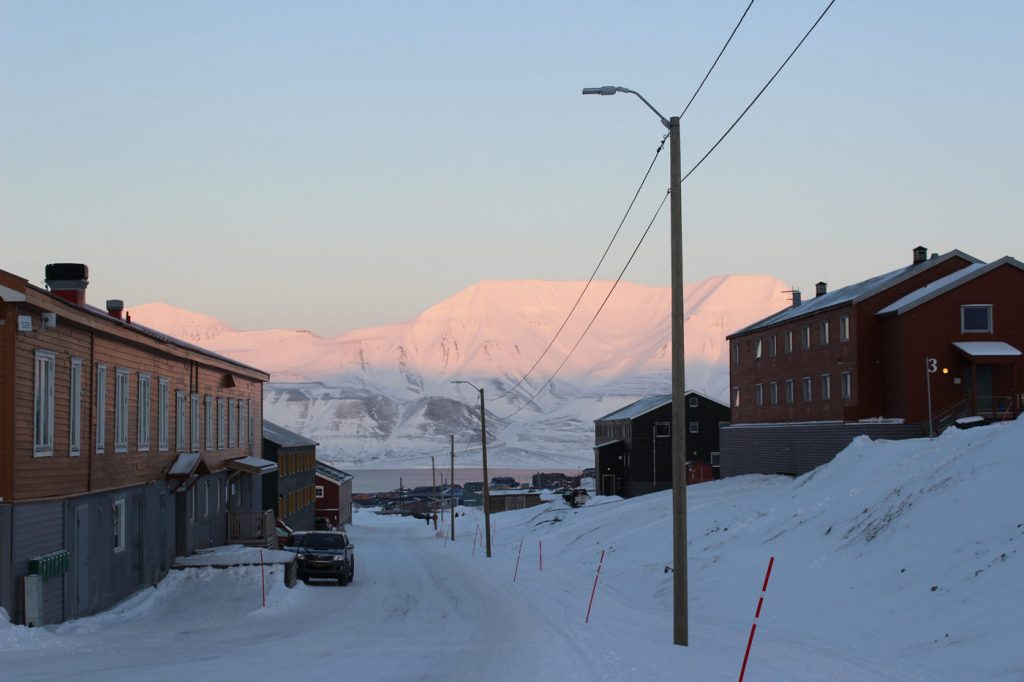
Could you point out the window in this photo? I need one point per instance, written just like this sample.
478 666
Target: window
805 337
826 387
209 422
43 410
735 396
319 492
216 496
774 392
192 503
846 383
824 332
180 437
162 410
232 424
808 394
844 327
206 500
119 525
242 428
694 427
693 401
101 407
787 341
222 429
790 391
194 414
759 394
145 394
75 440
773 346
735 353
121 410
976 319
757 347
248 418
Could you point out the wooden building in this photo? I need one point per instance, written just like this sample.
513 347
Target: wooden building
333 496
633 445
118 448
514 498
294 486
855 361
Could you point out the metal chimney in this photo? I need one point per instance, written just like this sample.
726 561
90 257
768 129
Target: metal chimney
820 289
794 296
115 307
920 255
68 281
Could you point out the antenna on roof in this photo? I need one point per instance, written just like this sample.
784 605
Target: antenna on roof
794 296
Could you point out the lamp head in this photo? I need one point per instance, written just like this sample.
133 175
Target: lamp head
603 90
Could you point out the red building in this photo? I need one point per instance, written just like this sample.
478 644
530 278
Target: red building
333 496
854 362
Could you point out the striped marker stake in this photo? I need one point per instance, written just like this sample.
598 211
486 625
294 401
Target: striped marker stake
517 561
475 533
753 626
594 590
540 550
263 580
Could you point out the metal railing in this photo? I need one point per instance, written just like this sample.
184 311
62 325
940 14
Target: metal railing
252 528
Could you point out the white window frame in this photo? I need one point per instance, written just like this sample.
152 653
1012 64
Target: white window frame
963 327
216 496
162 409
787 343
122 385
790 392
844 328
194 420
192 502
75 409
243 423
145 385
248 418
824 335
232 424
120 524
735 353
101 408
694 401
44 401
222 425
805 337
808 389
773 345
758 347
846 383
735 396
694 427
759 394
180 437
773 392
826 387
319 492
209 422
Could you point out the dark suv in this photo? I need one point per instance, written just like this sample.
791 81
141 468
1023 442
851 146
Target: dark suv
325 554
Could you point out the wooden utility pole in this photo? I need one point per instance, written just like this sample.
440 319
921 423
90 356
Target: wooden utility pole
452 488
487 483
401 495
433 496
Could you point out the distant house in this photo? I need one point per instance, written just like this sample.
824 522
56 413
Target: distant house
507 500
333 496
633 445
859 360
294 487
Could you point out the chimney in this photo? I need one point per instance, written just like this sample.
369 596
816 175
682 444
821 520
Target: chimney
115 307
920 255
68 280
820 289
795 296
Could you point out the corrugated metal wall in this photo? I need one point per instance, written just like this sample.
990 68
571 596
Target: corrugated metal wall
39 529
7 594
797 448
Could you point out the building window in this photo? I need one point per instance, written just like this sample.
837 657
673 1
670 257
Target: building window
773 346
145 393
976 319
694 427
787 341
735 396
790 391
735 353
759 394
222 424
319 492
180 439
808 390
101 407
43 410
119 525
194 419
209 422
192 503
773 389
232 424
826 387
75 440
121 410
206 500
162 409
846 380
824 332
693 401
844 327
757 347
248 418
805 337
241 423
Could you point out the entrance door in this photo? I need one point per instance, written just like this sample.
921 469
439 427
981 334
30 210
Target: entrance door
983 373
608 484
135 523
163 533
81 550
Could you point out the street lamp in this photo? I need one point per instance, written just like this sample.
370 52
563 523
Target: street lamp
487 488
681 628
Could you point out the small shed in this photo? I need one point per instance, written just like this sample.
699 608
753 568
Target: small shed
507 500
333 496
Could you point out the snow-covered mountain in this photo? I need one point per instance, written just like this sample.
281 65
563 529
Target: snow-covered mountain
382 397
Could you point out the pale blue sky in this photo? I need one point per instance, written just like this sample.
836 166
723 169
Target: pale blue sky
332 165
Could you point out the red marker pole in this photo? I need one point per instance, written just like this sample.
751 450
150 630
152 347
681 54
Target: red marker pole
540 550
475 533
517 561
263 580
593 591
753 626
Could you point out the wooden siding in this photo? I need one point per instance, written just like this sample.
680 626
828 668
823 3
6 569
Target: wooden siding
8 318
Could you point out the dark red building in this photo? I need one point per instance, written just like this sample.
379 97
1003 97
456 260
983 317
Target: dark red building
808 379
333 496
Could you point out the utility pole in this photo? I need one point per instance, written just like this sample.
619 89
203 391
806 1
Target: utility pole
433 494
452 488
401 495
487 482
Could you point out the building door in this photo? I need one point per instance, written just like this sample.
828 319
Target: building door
983 374
163 533
135 523
608 484
81 550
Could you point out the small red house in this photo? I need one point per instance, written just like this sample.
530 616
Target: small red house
333 496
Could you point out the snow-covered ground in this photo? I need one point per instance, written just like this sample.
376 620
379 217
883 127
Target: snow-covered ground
897 561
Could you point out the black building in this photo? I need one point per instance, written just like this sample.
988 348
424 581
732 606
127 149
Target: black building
294 486
633 445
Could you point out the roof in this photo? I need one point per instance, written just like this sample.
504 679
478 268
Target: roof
854 293
977 349
606 443
512 491
284 438
252 465
333 473
185 465
944 284
649 404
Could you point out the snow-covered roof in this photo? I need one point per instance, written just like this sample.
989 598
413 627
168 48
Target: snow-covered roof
512 491
185 464
333 473
642 406
252 465
944 284
606 443
977 349
284 438
854 293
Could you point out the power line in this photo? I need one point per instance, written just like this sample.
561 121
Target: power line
715 63
575 305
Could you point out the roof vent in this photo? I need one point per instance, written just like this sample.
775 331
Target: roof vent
68 281
920 255
820 289
115 307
